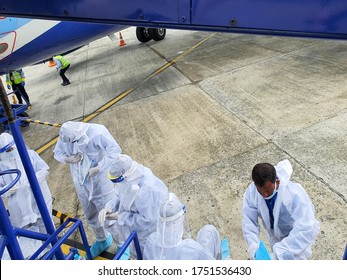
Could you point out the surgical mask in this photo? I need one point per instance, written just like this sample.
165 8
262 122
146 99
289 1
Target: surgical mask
8 155
273 194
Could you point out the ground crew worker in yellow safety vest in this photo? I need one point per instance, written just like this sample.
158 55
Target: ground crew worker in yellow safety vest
62 64
16 79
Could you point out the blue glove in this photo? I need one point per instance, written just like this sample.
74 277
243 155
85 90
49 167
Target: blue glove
8 86
23 84
262 253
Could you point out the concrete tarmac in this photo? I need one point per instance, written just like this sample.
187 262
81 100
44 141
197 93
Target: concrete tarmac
202 123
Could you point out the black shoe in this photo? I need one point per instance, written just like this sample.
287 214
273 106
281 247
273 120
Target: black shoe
65 83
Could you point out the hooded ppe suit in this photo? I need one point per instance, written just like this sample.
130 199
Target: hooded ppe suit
92 147
167 243
22 206
137 201
295 227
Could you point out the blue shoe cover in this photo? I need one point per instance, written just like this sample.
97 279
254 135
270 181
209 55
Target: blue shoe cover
101 246
77 256
126 254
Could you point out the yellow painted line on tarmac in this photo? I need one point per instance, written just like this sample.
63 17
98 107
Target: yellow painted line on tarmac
192 48
124 94
47 145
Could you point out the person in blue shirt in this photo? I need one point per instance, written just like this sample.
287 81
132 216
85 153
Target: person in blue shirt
285 209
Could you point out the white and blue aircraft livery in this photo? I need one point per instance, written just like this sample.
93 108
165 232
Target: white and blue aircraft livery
28 41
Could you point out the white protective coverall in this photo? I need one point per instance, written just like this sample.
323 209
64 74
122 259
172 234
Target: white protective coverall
295 227
95 149
167 243
22 205
137 201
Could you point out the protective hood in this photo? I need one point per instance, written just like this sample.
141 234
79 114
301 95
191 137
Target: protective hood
72 131
120 166
284 171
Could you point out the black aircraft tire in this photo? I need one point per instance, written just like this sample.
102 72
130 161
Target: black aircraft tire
142 34
157 34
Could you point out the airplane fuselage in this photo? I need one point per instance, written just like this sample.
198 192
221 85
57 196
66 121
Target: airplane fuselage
28 41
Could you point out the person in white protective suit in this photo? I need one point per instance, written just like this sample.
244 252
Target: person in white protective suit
167 242
135 206
285 209
22 207
89 149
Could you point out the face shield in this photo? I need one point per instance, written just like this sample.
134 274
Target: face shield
7 147
171 222
64 138
66 135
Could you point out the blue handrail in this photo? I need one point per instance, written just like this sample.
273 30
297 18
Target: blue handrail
3 242
77 225
132 237
7 172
